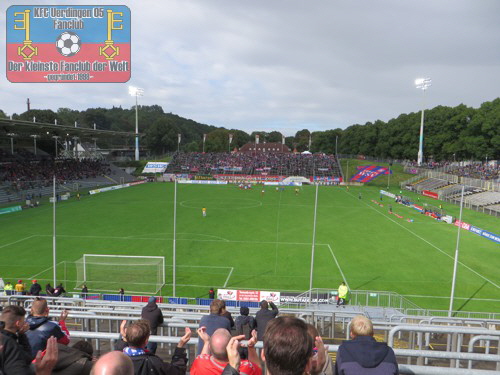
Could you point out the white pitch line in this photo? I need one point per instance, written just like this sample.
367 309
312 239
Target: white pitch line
228 276
434 246
22 239
45 270
338 265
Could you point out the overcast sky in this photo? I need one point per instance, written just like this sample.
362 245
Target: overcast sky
287 65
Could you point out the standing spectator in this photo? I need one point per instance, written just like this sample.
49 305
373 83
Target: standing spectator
363 354
342 297
121 292
85 291
215 362
145 362
263 316
152 313
8 288
15 327
211 293
213 321
244 324
59 290
226 314
41 327
19 288
49 290
35 288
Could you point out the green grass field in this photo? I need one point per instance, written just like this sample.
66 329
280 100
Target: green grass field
260 242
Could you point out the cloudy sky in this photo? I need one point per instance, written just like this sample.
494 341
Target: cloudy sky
287 65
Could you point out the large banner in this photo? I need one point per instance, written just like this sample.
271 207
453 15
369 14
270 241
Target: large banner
8 210
369 172
430 194
155 167
68 43
481 232
248 295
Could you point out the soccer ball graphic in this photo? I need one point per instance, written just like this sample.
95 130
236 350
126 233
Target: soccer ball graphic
68 44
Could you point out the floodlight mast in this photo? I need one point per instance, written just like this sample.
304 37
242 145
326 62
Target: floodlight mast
422 83
136 91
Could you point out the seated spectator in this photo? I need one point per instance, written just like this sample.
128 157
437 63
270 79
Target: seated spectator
363 354
73 360
215 357
41 327
145 362
15 327
35 288
263 316
113 363
213 321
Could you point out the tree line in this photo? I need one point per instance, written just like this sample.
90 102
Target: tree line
450 133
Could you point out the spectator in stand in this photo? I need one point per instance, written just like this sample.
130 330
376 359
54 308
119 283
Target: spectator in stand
226 314
59 290
215 357
15 327
113 363
288 349
49 290
85 291
75 360
244 324
8 288
152 313
12 364
321 361
35 288
263 316
213 321
41 327
363 354
19 288
145 362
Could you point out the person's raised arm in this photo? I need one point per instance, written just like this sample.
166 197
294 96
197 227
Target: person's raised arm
202 334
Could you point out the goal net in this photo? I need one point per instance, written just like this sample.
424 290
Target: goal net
109 273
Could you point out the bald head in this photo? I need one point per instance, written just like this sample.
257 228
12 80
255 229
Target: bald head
218 343
113 363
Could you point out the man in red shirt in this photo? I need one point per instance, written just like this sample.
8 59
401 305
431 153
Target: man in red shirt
213 358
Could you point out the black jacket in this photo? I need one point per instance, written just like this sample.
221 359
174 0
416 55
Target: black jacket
71 361
23 344
35 289
12 359
364 355
152 313
262 317
149 363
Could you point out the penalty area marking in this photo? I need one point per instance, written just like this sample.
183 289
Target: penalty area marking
22 239
434 246
338 265
254 203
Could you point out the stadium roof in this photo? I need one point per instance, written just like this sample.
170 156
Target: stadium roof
45 130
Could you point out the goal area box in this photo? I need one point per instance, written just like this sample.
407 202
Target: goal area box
109 273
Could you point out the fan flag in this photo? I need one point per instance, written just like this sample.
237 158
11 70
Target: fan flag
68 43
368 173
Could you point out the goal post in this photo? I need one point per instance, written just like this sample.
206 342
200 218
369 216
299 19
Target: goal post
109 273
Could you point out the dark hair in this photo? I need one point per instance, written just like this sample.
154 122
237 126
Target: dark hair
11 314
244 310
137 333
287 346
264 304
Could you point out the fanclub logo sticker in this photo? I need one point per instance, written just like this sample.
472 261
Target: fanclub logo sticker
71 43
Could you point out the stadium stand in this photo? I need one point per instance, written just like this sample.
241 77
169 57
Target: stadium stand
241 163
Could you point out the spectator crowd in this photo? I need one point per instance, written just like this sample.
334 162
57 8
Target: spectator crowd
243 163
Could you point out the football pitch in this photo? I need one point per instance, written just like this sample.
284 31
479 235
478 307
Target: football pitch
260 241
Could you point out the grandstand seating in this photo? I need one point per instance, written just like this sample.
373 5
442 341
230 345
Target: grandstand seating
277 164
485 198
430 184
